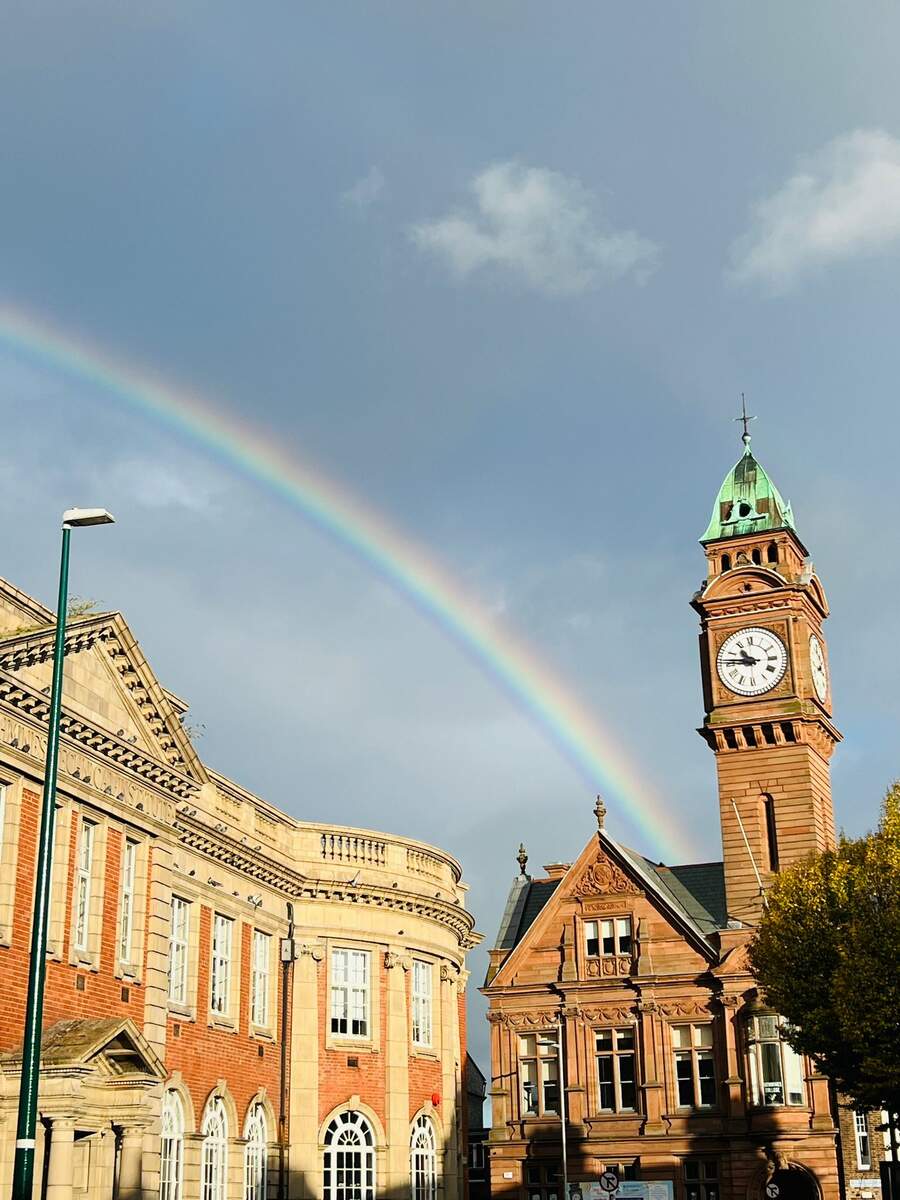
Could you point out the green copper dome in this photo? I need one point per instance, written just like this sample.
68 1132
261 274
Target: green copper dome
748 502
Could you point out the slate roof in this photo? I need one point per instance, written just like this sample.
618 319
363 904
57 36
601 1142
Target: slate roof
526 899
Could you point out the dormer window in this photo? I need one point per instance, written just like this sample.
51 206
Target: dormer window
612 936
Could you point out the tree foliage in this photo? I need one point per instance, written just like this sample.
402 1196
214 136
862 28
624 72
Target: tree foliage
827 956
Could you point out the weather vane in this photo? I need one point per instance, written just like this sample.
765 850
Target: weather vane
745 436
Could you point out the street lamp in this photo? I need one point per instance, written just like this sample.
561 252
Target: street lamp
23 1169
560 1071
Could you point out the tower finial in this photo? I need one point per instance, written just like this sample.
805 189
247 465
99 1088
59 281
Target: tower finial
745 419
522 858
600 812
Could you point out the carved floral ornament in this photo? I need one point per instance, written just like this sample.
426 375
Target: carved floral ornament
604 877
609 965
525 1020
393 959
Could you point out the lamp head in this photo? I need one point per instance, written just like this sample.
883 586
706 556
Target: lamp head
74 518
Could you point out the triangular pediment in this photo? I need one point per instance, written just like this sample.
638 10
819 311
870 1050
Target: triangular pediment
108 685
604 881
114 1048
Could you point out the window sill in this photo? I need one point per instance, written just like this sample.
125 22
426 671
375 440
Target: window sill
264 1033
128 971
428 1053
342 1042
181 1012
83 962
222 1023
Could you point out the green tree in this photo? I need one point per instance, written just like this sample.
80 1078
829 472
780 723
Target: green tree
827 955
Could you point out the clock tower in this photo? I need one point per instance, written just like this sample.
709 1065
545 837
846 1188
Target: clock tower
766 686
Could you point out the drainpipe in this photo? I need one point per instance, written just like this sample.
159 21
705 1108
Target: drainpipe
286 961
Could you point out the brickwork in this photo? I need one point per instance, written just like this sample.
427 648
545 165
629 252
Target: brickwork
125 1040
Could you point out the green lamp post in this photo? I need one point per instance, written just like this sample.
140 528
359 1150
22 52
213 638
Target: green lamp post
23 1169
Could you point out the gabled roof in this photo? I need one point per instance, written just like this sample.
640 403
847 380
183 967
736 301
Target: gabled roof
692 896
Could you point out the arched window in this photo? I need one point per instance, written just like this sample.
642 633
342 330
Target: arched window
757 557
772 553
423 1160
349 1158
171 1147
726 562
255 1153
770 829
214 1168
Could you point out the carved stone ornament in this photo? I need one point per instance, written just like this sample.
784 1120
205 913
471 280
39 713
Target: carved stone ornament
609 965
609 1014
393 959
527 1020
449 973
603 877
685 1008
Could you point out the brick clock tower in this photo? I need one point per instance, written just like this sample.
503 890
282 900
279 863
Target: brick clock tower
766 686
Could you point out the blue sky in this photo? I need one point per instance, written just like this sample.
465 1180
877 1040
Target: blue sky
503 270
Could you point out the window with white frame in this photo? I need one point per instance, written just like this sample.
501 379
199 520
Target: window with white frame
83 873
349 1162
861 1136
616 1080
214 1160
423 1160
612 936
179 926
255 1154
171 1148
223 940
539 1071
350 999
695 1070
259 991
776 1069
126 907
421 1002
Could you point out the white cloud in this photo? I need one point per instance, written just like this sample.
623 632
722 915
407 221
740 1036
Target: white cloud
543 228
365 191
155 485
841 202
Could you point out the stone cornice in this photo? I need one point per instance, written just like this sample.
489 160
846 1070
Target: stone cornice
251 862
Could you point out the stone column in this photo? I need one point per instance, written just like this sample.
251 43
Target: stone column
448 1080
156 977
131 1163
61 1165
653 1086
303 1155
396 965
734 1080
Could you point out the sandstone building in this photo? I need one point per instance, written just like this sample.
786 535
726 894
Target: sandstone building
674 1068
240 1005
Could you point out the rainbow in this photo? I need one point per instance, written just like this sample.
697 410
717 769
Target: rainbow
408 568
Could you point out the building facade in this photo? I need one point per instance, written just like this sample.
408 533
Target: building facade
239 1005
626 982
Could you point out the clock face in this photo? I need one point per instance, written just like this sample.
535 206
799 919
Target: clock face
752 661
819 670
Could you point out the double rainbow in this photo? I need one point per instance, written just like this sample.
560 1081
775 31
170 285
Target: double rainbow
553 707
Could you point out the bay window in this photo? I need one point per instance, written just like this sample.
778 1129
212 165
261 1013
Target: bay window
776 1069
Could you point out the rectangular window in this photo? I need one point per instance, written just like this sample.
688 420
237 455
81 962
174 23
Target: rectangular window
776 1069
591 939
701 1179
259 991
539 1067
615 936
616 1075
695 1072
83 874
178 950
421 1003
126 919
350 993
861 1133
220 992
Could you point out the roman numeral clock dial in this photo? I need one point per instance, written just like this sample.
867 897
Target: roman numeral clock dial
752 661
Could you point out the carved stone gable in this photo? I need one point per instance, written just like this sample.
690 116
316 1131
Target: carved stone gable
604 878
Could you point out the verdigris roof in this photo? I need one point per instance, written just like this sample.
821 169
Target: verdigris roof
748 502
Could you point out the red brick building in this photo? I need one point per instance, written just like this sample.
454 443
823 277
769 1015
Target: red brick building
239 1004
626 981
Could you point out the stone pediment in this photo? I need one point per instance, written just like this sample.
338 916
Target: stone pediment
112 1048
108 685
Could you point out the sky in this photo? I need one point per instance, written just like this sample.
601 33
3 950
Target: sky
501 271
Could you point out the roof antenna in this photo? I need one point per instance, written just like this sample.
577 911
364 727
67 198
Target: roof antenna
762 890
745 436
